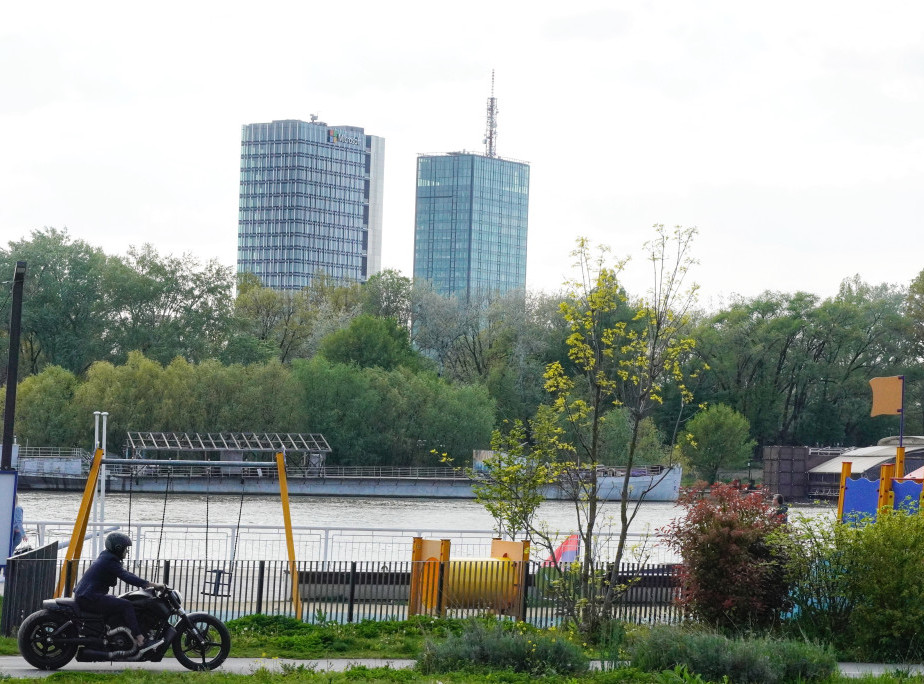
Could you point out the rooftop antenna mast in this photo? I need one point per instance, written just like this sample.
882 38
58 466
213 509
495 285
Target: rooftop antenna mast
490 136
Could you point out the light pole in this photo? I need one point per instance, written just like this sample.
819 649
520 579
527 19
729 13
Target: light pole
12 373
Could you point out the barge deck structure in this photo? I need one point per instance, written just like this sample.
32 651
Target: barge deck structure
307 472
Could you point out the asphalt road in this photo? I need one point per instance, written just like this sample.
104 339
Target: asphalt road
15 666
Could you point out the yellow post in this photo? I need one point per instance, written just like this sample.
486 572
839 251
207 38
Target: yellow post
290 540
886 473
900 462
846 467
80 526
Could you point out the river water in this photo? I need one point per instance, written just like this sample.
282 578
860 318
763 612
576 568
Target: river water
340 512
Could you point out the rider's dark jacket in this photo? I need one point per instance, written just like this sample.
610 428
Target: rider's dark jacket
102 574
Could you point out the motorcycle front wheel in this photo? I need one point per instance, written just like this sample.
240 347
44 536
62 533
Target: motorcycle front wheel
202 642
37 645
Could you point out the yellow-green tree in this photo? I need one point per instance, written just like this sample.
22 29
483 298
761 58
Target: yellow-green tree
622 353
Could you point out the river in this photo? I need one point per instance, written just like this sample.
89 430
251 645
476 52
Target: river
340 512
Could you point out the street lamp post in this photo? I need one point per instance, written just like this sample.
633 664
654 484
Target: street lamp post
12 374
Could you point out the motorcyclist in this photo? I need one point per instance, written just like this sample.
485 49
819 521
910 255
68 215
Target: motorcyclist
92 592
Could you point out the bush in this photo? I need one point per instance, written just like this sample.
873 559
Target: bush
882 564
493 645
714 656
733 573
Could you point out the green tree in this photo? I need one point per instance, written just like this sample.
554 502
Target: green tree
45 412
167 306
65 312
387 294
716 438
268 319
515 477
371 342
622 361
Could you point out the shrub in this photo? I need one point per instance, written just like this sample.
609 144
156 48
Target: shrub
882 564
733 573
714 656
821 606
493 645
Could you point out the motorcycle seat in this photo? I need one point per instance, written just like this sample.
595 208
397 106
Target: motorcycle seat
71 604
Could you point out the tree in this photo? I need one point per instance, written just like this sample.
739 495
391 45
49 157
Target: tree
717 437
65 311
371 342
624 359
45 414
515 477
387 294
620 356
167 306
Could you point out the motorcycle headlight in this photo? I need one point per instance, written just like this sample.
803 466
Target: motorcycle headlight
177 596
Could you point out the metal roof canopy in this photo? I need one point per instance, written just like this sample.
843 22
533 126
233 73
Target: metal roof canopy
228 441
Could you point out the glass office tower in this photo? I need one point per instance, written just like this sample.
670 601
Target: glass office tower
310 203
471 221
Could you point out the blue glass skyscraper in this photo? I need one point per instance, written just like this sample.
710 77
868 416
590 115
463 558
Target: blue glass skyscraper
471 224
310 203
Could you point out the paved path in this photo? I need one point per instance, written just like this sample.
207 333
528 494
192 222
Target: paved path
15 666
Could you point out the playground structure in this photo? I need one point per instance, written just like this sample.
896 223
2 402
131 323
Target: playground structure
219 580
862 498
496 583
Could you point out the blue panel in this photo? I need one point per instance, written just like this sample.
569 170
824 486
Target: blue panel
860 499
907 495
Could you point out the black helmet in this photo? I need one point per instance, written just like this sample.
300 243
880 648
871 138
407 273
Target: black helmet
118 543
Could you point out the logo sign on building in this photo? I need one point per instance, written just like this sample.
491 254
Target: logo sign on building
335 135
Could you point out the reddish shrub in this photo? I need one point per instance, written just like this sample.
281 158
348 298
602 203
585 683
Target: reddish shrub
733 564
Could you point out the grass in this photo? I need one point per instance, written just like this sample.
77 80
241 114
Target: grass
260 636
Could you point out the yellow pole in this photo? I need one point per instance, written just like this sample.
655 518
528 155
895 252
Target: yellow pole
900 462
290 540
886 473
80 525
846 467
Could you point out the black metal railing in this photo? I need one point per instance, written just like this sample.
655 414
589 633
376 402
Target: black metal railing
351 591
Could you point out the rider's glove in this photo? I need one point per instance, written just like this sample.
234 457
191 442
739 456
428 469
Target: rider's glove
157 585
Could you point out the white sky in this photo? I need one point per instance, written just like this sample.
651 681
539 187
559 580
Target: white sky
790 133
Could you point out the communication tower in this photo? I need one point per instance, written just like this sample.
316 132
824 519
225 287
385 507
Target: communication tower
490 136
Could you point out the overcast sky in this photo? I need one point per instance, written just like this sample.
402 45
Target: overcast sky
790 133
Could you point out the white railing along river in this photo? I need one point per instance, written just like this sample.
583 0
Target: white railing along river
267 542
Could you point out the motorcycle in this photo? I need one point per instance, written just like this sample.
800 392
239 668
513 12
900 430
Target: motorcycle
51 637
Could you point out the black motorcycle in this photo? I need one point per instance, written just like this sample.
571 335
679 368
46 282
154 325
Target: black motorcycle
50 637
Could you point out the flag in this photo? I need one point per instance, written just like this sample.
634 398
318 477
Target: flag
887 395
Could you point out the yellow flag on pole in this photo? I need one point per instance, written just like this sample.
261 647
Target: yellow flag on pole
887 395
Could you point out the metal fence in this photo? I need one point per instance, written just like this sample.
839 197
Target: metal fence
30 578
351 591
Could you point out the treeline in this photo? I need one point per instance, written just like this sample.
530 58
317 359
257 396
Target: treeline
389 371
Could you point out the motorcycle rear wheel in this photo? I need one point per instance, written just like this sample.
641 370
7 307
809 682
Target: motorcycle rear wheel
206 652
36 645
